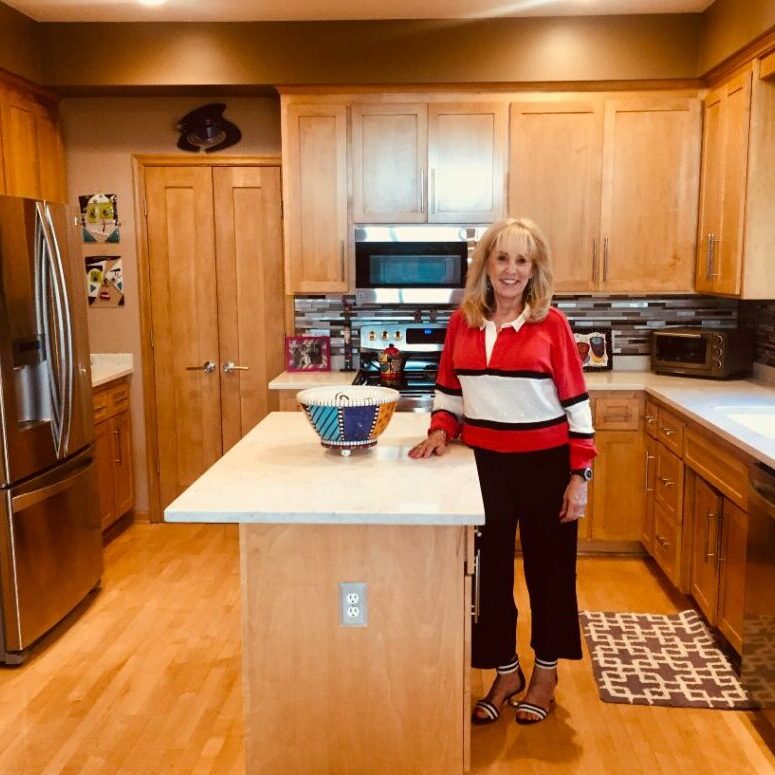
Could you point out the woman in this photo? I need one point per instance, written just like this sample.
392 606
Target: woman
510 383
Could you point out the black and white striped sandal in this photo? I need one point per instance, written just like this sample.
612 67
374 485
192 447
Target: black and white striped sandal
536 712
490 711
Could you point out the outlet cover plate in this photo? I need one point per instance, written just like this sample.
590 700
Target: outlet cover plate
353 604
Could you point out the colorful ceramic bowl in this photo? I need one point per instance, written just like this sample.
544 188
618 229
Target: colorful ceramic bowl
351 417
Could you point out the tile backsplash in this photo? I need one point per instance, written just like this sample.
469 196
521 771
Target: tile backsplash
761 316
631 318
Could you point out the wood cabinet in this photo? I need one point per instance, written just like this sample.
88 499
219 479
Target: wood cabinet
615 509
706 505
734 536
314 138
113 447
31 151
613 183
736 228
434 162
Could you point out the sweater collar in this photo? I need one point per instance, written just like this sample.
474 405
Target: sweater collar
516 324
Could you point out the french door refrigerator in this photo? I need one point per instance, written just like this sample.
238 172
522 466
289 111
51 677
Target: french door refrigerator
50 537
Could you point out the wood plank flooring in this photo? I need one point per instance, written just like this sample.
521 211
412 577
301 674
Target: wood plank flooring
146 678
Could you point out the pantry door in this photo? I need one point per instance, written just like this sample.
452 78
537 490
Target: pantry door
217 323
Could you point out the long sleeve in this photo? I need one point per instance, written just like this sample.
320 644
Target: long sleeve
447 413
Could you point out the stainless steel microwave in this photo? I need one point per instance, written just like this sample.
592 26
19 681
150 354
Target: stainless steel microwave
412 264
703 352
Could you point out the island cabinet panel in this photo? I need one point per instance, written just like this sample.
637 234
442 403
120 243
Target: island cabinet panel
555 165
627 171
312 686
315 198
390 162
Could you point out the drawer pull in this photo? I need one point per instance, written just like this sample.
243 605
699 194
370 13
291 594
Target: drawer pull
663 541
650 418
667 431
667 482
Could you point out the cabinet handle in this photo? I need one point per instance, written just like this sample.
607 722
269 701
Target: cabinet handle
117 445
605 259
667 482
708 257
649 458
708 517
668 431
650 419
477 584
432 192
713 240
594 259
422 190
341 256
663 541
230 367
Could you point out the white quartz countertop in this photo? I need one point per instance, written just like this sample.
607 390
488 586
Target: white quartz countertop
279 473
300 380
105 367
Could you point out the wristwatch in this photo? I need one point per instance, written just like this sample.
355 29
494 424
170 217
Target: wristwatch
584 473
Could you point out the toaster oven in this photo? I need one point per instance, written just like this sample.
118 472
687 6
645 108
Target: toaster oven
715 353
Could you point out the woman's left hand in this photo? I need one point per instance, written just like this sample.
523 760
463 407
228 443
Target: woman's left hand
574 501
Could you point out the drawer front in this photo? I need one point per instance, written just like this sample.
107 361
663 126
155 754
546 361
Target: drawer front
618 412
670 431
110 400
650 418
119 398
719 464
667 544
669 482
100 403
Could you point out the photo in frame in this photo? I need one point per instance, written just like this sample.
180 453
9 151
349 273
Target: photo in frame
308 353
595 348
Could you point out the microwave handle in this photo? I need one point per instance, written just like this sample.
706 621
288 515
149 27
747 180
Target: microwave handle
676 333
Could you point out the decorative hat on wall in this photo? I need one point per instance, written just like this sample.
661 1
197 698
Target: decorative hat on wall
206 128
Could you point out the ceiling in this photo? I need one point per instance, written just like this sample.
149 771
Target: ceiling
309 10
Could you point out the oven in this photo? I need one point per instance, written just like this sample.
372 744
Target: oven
412 264
420 345
703 352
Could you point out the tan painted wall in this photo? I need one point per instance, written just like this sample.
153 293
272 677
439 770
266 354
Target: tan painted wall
426 51
101 135
728 25
19 50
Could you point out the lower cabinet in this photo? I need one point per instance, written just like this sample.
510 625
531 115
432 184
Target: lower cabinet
113 445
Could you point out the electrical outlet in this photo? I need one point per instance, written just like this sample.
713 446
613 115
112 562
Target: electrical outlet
352 603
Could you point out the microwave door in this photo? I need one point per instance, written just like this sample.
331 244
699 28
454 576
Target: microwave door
687 351
28 367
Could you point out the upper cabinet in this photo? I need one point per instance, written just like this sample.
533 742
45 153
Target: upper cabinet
31 151
613 183
434 162
315 198
736 228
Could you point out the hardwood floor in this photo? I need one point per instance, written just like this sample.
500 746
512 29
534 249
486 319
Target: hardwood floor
147 679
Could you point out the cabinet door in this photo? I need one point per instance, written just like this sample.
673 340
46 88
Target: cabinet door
618 486
706 518
103 448
555 164
651 174
466 151
734 529
20 157
650 477
669 483
53 185
711 189
389 162
123 479
315 195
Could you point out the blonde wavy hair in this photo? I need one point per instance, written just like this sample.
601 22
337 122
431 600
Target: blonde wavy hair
479 300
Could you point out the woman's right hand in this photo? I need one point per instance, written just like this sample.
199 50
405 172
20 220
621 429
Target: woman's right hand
435 444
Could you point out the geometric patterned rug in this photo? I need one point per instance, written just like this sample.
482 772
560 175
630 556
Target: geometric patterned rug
653 659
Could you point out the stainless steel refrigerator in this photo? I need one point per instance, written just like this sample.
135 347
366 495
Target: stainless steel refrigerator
50 537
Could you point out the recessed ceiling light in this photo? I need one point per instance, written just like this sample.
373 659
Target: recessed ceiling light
151 2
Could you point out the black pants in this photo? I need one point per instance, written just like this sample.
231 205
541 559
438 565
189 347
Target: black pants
529 487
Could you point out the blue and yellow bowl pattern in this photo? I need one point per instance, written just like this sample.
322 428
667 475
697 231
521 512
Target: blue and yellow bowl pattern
351 417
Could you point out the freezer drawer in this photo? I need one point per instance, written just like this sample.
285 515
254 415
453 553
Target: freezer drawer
50 551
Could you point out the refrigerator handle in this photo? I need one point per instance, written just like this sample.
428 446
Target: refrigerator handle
43 294
66 332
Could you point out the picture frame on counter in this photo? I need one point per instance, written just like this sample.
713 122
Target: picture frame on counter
595 348
308 353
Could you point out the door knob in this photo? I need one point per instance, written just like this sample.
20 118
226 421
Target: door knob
208 367
230 366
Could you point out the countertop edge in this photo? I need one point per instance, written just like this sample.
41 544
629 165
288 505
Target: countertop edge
254 518
103 379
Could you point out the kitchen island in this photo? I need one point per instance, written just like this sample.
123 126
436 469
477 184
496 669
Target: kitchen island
390 696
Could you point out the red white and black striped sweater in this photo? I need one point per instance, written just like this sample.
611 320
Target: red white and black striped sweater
530 396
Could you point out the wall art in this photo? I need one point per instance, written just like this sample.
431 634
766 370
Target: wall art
308 353
595 348
99 217
104 281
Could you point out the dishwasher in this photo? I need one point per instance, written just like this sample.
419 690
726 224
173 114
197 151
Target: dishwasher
758 663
